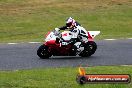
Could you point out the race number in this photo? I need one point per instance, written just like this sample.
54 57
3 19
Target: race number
64 43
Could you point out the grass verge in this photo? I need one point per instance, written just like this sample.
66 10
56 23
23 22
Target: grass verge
29 20
59 77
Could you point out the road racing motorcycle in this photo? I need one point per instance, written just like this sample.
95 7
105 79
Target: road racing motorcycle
56 44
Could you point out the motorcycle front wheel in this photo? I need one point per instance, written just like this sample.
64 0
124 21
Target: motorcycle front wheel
43 52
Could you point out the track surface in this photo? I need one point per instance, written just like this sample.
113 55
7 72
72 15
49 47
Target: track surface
23 56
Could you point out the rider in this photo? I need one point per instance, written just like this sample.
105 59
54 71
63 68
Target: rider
70 21
78 32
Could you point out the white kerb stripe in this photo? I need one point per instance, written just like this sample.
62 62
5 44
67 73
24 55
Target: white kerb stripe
34 42
12 43
124 65
129 38
109 39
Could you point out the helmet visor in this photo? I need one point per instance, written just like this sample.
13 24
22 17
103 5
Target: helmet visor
68 24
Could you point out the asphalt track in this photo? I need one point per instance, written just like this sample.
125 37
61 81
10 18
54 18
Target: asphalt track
23 56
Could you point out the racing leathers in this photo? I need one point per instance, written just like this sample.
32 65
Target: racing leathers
79 33
66 27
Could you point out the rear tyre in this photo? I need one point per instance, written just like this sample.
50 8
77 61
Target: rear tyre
73 51
92 46
86 52
90 49
43 52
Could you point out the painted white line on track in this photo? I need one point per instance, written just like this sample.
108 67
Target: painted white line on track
129 38
12 43
34 42
41 42
110 39
124 65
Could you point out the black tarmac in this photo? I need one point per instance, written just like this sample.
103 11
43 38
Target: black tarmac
23 56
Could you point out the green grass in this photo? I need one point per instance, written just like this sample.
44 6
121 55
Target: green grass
59 77
29 20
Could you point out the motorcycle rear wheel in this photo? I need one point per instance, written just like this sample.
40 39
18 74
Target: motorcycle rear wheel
90 49
86 52
93 47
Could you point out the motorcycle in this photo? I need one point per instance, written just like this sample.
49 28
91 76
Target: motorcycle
56 44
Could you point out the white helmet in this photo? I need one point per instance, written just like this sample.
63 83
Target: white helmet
70 22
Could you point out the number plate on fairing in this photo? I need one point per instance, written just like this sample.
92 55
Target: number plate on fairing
64 43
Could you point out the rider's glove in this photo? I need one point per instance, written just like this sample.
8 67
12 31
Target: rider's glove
56 31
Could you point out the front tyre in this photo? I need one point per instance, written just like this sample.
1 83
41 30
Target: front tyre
43 52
